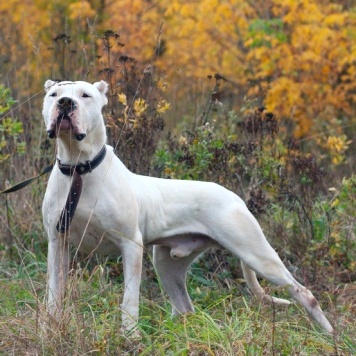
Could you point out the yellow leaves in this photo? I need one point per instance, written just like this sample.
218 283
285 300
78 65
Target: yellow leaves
135 112
299 11
163 107
290 224
338 143
304 72
187 10
335 19
335 203
284 93
336 147
225 10
172 9
303 49
139 106
202 37
80 10
122 99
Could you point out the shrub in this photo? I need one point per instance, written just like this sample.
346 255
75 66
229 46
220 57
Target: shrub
10 129
282 186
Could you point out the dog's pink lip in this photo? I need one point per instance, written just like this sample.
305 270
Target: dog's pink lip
64 124
61 124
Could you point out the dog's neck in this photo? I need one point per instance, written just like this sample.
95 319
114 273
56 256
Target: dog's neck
70 151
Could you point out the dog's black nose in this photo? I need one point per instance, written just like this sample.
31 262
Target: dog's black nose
66 104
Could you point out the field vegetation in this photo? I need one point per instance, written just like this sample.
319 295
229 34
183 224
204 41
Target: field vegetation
258 96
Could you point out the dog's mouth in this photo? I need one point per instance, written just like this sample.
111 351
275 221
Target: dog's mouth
63 123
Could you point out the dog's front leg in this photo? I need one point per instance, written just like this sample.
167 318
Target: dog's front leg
132 254
57 270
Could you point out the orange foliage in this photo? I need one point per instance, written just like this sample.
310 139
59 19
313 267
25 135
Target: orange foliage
299 55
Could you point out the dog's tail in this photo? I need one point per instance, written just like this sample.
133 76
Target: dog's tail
257 290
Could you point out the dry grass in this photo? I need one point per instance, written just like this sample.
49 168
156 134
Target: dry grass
226 322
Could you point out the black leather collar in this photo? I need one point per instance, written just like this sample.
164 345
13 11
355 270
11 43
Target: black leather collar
82 168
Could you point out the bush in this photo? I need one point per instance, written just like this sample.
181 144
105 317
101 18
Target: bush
10 129
282 186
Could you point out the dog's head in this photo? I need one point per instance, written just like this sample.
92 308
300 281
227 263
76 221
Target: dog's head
73 108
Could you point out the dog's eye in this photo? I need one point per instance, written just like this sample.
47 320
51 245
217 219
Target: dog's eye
85 95
53 94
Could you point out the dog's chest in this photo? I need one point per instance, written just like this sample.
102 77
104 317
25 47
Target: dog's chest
98 227
89 235
101 218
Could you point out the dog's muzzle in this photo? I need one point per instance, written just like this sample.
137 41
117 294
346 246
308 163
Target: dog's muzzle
65 107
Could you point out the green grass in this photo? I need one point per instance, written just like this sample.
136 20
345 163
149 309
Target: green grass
226 322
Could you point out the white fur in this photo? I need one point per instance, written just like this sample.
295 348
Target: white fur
120 212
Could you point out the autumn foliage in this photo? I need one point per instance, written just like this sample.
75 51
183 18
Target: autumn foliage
295 56
195 63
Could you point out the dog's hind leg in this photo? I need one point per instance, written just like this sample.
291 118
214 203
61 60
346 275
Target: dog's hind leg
242 235
173 273
256 289
270 267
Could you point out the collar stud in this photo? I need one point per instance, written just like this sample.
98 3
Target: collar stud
82 168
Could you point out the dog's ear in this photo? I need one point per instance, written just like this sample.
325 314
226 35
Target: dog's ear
102 86
49 84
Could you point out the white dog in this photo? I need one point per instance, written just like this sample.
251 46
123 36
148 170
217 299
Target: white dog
96 204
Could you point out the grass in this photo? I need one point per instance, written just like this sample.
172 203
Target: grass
226 321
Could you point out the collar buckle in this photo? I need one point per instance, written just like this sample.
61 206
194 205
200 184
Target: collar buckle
88 163
82 168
